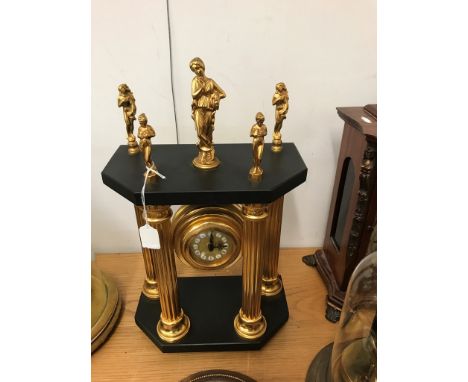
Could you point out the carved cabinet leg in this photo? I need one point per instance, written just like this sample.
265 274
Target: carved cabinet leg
332 313
310 260
249 322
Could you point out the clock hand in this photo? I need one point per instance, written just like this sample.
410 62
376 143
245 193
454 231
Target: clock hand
211 244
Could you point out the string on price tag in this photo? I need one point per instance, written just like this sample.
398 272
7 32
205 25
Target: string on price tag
149 236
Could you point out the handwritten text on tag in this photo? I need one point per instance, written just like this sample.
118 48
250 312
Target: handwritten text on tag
149 237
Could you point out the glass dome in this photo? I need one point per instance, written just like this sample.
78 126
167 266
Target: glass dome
354 354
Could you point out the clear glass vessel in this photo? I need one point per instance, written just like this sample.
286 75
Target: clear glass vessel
354 354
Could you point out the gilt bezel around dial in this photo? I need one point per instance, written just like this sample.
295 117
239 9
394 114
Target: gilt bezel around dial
207 237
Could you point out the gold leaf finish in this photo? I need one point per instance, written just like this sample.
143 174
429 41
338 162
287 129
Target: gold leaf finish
150 285
257 132
173 324
271 283
206 95
281 102
191 220
161 274
249 322
145 133
126 101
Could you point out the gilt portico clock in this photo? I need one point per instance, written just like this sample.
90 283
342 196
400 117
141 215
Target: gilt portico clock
231 210
224 218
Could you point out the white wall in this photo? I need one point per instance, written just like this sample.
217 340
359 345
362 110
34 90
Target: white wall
130 43
324 50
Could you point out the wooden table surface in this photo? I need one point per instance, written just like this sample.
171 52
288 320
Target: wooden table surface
129 355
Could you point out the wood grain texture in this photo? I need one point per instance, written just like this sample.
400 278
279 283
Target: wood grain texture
130 356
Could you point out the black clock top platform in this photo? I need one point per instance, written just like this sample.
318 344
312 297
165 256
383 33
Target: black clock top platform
184 184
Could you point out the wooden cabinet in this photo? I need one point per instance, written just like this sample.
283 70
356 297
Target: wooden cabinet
353 213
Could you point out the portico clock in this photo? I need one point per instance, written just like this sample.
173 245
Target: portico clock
223 218
231 203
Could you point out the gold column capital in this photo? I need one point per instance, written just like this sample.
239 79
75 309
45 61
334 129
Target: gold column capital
254 211
158 214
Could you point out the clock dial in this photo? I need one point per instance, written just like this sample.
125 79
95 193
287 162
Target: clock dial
208 237
211 247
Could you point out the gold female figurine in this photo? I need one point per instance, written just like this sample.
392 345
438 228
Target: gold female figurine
258 132
127 102
145 133
206 95
281 101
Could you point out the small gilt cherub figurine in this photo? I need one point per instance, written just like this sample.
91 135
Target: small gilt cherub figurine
281 101
126 101
257 132
145 133
206 94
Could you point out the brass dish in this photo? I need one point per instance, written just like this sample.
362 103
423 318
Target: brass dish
218 376
105 307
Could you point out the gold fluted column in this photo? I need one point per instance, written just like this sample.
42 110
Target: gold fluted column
150 285
173 323
249 322
271 283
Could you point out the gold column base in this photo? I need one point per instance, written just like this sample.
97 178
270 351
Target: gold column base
271 287
132 145
206 159
173 331
150 289
277 143
250 329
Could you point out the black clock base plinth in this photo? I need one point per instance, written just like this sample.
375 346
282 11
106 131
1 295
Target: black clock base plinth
211 303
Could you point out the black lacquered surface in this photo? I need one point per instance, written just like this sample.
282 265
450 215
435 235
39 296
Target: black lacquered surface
211 303
185 184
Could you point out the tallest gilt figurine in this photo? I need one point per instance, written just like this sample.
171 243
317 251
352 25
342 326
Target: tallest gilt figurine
206 94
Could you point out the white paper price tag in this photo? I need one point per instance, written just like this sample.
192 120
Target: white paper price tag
149 237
